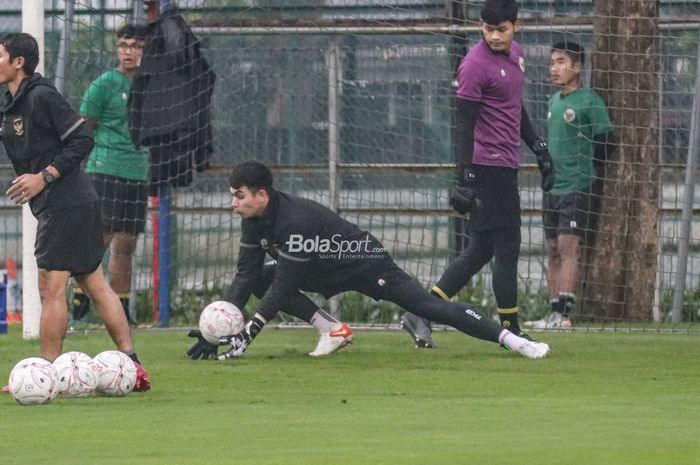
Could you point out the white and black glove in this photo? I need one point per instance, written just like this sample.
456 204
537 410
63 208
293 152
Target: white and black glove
202 349
239 343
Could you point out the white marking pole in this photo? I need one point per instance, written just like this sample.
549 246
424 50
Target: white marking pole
32 23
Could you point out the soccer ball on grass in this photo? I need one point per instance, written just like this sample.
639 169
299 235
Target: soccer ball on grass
33 381
76 377
116 373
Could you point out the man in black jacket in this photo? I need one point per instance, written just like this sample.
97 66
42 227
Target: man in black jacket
46 141
318 251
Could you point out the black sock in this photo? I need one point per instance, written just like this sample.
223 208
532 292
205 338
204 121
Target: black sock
125 305
134 357
439 293
80 305
567 304
509 320
555 305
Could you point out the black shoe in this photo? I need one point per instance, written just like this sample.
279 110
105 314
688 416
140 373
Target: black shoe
419 329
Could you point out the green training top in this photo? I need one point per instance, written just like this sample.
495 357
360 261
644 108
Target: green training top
573 121
114 153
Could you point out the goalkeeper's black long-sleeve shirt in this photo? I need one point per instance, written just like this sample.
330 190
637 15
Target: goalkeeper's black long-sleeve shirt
316 250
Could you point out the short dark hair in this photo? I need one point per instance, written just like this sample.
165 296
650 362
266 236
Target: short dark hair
132 31
497 11
575 51
25 46
252 174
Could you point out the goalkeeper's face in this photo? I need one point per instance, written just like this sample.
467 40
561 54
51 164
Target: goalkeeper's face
499 36
249 203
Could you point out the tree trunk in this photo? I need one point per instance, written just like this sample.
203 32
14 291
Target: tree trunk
621 268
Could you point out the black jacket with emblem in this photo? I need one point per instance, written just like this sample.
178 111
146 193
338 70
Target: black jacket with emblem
39 128
170 102
305 238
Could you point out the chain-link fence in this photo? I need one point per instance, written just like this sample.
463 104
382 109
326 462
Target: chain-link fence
392 91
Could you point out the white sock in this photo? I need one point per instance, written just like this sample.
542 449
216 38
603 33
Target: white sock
324 323
511 341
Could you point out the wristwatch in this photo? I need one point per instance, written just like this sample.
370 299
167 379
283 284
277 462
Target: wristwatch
48 177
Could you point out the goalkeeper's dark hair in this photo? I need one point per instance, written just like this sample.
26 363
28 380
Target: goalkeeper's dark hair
497 11
574 51
25 46
251 174
132 31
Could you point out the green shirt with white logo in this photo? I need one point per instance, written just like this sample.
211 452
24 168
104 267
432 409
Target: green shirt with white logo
573 121
114 153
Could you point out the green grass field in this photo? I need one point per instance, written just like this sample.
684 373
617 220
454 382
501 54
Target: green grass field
599 399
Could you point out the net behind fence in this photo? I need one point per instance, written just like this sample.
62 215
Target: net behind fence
374 83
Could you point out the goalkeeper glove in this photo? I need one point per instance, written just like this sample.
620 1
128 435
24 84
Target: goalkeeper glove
143 381
239 343
545 164
463 196
202 349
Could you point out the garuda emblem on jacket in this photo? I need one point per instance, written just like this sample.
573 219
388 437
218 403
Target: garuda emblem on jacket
18 126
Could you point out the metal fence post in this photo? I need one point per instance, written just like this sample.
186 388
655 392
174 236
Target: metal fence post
687 215
658 291
333 65
64 47
137 10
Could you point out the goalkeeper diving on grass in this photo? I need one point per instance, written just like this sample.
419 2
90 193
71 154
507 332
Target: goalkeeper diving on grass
318 251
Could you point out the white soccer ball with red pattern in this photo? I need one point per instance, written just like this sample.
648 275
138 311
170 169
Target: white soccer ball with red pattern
76 377
219 319
116 373
33 381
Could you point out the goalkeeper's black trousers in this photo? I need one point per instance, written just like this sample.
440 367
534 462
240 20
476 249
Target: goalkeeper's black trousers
381 280
502 244
411 296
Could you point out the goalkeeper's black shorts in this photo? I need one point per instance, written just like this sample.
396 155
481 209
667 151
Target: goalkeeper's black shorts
70 239
498 199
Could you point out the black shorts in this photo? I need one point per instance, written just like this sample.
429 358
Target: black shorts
70 239
568 214
498 199
124 203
